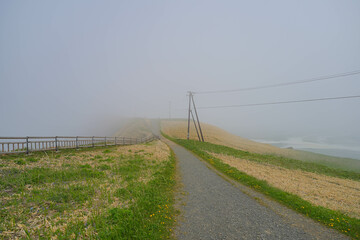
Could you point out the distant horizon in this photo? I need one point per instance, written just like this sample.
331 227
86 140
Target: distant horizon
81 67
349 150
321 148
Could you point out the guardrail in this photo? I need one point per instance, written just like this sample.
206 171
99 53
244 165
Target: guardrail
33 144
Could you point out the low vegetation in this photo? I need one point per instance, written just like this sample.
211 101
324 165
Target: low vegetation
284 162
218 156
178 129
331 192
122 192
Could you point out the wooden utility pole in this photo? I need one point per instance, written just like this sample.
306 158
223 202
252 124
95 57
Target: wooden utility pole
197 125
188 132
197 117
197 132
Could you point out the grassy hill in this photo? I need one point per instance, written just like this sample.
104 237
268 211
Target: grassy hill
215 135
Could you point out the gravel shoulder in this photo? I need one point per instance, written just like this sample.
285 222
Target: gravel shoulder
216 207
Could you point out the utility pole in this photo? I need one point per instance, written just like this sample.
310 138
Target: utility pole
197 132
198 125
197 117
188 132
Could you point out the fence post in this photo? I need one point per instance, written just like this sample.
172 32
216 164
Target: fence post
123 140
77 142
56 143
115 141
27 145
105 141
92 140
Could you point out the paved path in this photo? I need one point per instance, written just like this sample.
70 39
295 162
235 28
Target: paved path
215 207
218 209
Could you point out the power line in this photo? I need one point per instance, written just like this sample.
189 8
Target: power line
322 78
284 102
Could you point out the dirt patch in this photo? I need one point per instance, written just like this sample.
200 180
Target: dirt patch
330 192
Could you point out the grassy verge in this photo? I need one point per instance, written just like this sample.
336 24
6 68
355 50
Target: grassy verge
122 192
333 219
277 160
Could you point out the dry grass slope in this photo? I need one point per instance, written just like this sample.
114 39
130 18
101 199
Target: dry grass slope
215 135
334 193
212 134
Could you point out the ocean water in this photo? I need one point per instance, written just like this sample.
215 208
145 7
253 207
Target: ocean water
337 150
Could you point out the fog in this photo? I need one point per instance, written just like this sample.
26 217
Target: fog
80 67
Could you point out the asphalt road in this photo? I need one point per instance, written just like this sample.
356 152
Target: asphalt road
215 208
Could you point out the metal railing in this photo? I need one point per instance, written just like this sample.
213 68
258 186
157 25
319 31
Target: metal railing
33 144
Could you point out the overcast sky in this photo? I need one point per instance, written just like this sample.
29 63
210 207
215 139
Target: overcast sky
77 67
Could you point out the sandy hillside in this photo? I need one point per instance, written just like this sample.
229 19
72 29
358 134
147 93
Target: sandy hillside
212 134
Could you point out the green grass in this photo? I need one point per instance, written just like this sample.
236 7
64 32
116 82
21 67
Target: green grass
62 198
90 194
15 180
151 216
271 159
333 219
